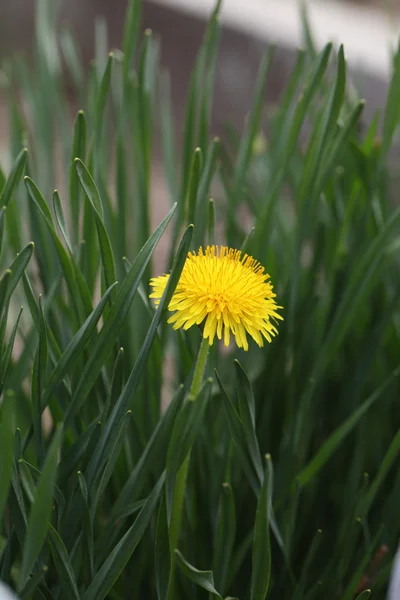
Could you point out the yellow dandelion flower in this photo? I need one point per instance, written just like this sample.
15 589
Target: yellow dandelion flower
228 291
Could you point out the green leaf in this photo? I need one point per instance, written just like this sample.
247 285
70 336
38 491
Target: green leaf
5 361
102 97
211 220
2 222
336 438
93 195
301 585
392 109
88 545
39 375
114 320
111 463
41 510
203 190
71 459
32 583
63 565
4 285
203 579
195 172
224 537
252 127
113 566
70 268
186 428
124 401
6 448
14 178
237 432
131 33
364 595
17 268
152 458
162 552
59 214
247 416
78 151
386 464
261 563
74 350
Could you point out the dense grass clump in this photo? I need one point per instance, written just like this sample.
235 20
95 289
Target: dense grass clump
125 472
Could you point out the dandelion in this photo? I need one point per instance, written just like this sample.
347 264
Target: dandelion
229 291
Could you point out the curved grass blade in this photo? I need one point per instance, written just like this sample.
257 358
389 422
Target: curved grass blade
5 361
6 448
225 537
67 262
152 457
88 545
116 561
114 320
78 151
63 565
93 195
40 513
14 178
203 579
162 552
17 268
336 438
247 415
236 429
195 173
261 563
59 214
124 401
76 346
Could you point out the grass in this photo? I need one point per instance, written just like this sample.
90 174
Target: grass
281 479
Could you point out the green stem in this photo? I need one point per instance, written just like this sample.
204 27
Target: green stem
180 482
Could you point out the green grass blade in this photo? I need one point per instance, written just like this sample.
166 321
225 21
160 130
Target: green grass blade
5 361
59 215
203 579
74 350
387 462
115 320
93 195
247 415
131 33
40 514
237 433
261 563
128 392
63 565
152 458
14 178
6 448
78 151
162 552
17 269
116 561
224 537
336 438
195 172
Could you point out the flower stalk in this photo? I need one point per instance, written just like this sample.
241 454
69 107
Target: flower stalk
181 477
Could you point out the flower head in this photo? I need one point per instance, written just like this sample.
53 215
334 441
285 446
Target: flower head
228 291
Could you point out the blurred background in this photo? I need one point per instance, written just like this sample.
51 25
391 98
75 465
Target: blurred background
368 28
